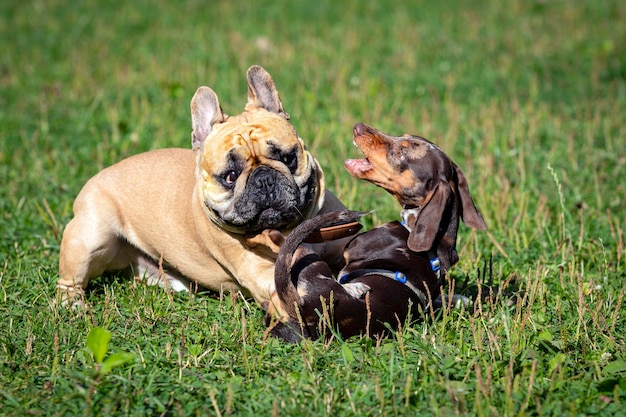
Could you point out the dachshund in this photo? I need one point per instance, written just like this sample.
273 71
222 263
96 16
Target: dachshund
393 272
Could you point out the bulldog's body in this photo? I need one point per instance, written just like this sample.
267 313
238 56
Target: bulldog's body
184 218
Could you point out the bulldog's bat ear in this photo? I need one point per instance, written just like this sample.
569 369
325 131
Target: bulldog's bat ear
205 112
262 92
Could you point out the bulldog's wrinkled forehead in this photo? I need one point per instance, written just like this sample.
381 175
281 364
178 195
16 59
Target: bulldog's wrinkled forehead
252 132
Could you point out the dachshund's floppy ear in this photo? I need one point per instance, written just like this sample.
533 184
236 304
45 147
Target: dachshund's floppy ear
470 215
424 224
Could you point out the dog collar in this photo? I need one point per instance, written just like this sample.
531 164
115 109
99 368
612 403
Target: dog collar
435 263
396 276
406 213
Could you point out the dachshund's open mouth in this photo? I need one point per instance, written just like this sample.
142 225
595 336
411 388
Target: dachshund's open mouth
357 167
375 165
362 140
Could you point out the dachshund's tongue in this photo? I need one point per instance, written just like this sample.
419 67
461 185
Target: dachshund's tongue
357 167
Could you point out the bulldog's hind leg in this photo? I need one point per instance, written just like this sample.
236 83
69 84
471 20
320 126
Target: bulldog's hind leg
89 247
147 269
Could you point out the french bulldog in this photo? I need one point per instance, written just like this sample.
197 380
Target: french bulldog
187 218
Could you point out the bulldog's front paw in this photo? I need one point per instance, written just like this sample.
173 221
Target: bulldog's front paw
70 297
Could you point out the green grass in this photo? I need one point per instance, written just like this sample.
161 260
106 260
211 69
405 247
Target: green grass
528 97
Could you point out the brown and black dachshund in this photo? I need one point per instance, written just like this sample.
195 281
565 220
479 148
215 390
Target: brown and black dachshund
392 272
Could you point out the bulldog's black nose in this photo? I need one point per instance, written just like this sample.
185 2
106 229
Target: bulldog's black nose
264 179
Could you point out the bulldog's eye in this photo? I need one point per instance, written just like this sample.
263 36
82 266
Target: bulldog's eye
290 160
230 173
229 178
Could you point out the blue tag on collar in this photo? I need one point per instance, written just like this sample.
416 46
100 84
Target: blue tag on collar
435 264
400 277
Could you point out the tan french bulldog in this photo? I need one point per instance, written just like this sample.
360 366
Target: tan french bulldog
187 217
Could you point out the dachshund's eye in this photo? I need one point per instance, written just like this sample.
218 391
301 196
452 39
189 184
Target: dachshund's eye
400 153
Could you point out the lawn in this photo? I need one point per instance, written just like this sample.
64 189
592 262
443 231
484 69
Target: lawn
528 98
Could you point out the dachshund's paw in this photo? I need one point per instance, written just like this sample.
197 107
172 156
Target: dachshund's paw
356 289
457 301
